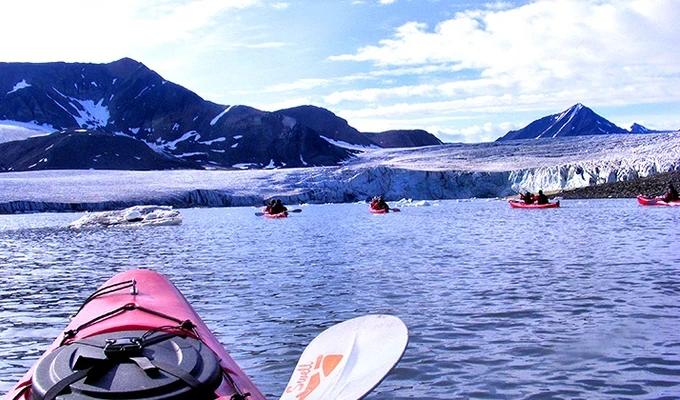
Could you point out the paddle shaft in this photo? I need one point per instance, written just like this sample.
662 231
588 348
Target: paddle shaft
297 210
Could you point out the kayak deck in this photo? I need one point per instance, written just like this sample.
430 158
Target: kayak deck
143 300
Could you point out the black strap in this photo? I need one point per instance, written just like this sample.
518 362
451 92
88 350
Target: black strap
177 373
63 384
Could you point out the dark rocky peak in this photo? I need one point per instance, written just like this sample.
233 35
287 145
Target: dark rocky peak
328 125
127 100
404 138
577 120
125 66
637 128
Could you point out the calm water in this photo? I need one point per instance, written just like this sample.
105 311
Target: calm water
577 302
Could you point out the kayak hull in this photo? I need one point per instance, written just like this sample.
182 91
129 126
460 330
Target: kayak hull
154 304
520 204
655 201
274 216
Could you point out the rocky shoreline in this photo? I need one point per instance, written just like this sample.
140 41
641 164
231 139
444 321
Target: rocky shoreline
651 186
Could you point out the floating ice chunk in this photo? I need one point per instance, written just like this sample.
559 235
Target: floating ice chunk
133 216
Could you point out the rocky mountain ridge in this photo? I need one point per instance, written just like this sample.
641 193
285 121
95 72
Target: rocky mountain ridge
130 109
125 100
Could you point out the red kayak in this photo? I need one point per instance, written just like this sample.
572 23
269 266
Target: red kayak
136 337
277 215
521 204
378 211
656 201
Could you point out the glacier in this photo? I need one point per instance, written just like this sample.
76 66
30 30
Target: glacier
450 171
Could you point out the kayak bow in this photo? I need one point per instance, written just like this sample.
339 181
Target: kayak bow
655 201
137 337
136 331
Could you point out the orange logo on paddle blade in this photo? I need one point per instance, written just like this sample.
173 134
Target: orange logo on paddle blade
312 373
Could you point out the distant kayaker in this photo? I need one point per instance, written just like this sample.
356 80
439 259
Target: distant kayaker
379 203
528 197
269 207
542 198
277 207
671 194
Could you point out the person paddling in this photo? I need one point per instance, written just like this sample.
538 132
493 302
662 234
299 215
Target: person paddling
542 198
671 194
278 207
379 203
269 207
528 197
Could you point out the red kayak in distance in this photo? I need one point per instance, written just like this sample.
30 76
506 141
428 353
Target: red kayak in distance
382 211
136 337
279 215
521 204
656 201
283 214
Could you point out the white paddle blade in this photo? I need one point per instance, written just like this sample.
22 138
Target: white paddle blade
348 360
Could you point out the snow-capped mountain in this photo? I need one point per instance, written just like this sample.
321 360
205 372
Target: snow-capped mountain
125 99
578 120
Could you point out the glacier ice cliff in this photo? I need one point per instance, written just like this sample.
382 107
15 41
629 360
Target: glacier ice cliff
452 171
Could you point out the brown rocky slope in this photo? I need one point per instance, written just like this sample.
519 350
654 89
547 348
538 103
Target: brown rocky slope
651 186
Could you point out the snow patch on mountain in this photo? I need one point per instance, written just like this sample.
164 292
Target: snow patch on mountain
220 115
188 135
15 130
350 146
86 112
210 142
20 85
569 114
90 114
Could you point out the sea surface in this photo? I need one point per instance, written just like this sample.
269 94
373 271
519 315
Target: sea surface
580 302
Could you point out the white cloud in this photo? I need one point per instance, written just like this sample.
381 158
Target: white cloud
552 44
472 134
286 103
263 45
103 29
301 84
546 55
387 1
280 6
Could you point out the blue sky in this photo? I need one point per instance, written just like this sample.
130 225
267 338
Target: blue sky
463 70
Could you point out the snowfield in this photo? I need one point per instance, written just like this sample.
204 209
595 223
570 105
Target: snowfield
452 171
